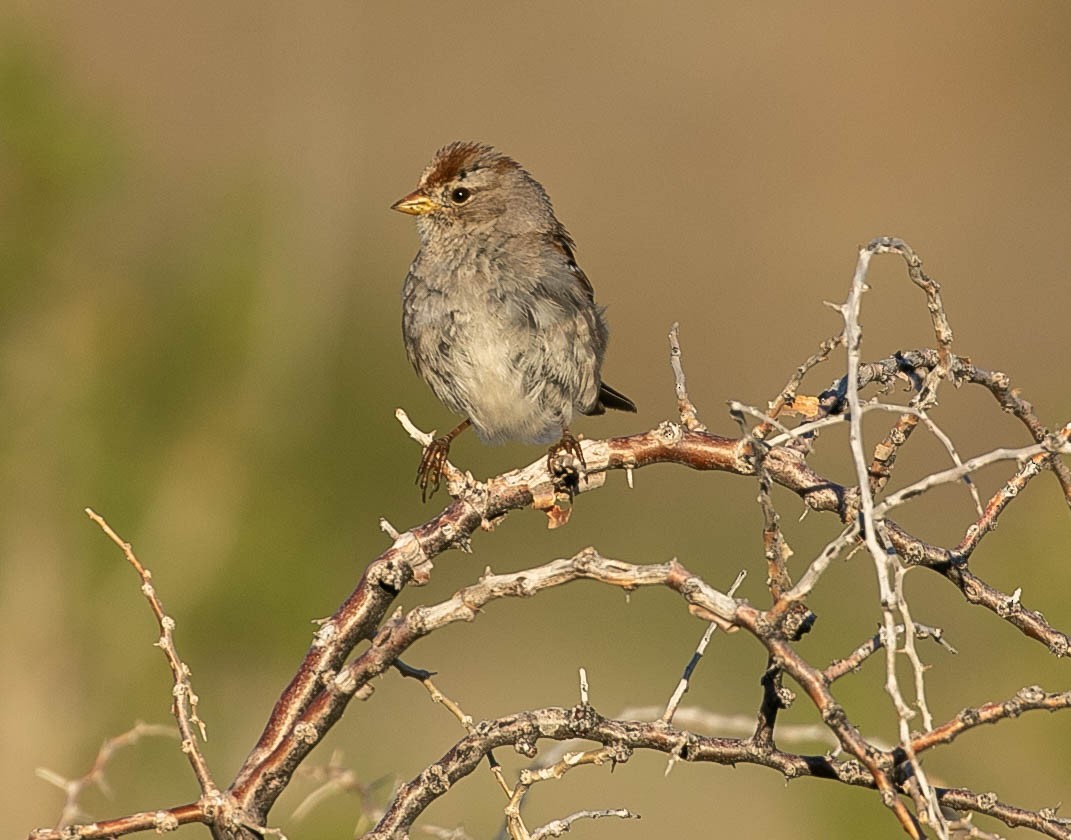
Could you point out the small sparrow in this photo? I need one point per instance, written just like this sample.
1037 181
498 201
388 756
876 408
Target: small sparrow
497 316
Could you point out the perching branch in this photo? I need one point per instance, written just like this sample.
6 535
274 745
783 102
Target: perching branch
775 454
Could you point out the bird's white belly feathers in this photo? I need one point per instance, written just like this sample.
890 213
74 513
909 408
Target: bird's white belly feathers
498 403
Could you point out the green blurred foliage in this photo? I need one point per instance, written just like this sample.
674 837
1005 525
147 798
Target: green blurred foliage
199 339
57 160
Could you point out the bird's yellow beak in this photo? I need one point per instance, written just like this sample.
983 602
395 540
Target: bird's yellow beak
415 204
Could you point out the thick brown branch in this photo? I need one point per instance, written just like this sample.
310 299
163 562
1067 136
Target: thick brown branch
524 730
283 745
320 690
357 619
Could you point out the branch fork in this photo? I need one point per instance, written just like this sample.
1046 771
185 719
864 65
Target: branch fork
775 455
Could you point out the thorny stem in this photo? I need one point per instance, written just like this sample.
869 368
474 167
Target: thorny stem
329 676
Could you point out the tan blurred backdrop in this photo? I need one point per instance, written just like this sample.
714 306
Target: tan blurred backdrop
199 338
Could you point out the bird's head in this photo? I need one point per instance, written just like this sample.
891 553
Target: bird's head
472 189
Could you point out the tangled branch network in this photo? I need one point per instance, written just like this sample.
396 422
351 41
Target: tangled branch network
773 449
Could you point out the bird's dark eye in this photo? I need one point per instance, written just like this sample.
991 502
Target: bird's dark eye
460 195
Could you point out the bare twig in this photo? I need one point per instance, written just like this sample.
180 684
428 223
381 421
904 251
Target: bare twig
886 563
452 706
613 754
94 777
556 828
184 706
789 392
685 408
335 778
682 685
840 667
1027 471
956 473
160 820
1028 699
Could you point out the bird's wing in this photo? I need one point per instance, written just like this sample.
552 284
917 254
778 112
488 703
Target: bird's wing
564 242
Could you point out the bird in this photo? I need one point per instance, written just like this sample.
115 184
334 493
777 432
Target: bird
497 316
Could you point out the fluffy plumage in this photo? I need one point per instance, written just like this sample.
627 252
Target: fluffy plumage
498 318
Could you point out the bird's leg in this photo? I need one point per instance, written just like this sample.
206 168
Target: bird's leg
433 460
568 445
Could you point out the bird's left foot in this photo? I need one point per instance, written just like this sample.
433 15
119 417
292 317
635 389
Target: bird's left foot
432 462
567 446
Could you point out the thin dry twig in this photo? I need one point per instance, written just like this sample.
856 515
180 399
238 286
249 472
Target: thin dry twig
556 828
94 777
452 706
184 706
689 669
604 755
789 393
854 661
335 778
886 563
685 408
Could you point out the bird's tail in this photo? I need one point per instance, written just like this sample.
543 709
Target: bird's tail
611 398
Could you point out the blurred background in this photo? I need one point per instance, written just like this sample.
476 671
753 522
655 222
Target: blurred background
199 338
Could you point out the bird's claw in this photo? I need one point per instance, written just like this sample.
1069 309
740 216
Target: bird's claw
432 464
568 446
